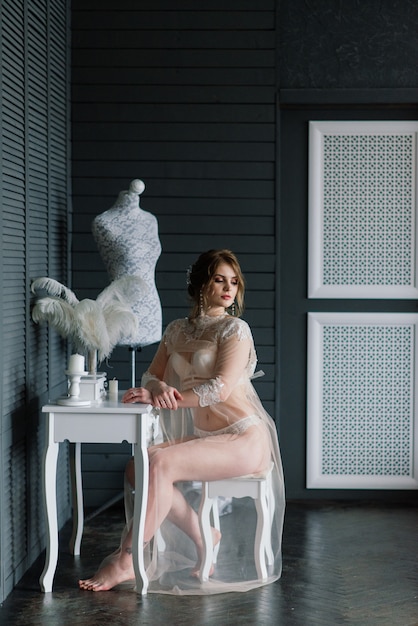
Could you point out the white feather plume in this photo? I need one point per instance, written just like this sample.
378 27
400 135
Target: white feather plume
91 324
56 312
91 328
120 322
54 288
124 290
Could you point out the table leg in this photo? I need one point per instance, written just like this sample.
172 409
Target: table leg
140 506
77 498
50 498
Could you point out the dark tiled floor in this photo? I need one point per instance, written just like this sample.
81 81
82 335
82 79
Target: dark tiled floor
346 563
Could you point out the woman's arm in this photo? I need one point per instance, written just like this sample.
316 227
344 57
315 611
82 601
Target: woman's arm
163 396
154 390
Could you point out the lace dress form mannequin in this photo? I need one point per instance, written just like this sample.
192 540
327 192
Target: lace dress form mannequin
128 242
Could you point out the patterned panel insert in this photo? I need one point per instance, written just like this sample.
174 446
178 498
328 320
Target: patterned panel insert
368 209
367 400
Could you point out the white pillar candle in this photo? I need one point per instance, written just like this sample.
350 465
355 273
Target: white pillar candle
113 387
76 364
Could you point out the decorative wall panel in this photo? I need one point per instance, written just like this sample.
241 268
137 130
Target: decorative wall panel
362 210
362 430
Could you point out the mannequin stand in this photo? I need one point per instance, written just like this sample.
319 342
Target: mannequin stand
133 350
73 398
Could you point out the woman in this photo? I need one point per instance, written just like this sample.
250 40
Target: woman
214 427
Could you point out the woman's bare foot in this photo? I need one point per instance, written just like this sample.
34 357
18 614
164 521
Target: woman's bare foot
216 537
114 570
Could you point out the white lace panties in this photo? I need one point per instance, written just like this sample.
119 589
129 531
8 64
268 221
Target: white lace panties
237 428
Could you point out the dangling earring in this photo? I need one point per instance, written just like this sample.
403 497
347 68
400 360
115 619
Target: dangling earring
233 309
201 303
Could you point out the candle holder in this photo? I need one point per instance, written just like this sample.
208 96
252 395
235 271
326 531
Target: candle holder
73 398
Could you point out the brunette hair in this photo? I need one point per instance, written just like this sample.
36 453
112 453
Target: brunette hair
200 276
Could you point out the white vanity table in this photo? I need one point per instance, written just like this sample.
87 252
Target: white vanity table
108 421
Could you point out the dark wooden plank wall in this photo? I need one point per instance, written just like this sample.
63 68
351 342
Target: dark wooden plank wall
185 100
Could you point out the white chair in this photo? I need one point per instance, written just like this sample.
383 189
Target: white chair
259 488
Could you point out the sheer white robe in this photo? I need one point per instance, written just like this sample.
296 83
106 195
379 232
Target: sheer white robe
215 357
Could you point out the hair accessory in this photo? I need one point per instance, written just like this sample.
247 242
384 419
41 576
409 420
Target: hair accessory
188 275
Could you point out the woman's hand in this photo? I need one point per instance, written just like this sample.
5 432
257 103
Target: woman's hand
138 394
166 397
162 396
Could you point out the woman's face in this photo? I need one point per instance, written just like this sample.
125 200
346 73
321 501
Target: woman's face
222 289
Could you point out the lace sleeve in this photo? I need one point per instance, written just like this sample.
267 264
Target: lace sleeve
156 369
172 332
209 392
235 327
148 377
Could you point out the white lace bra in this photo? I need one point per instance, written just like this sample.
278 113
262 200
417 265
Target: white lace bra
201 363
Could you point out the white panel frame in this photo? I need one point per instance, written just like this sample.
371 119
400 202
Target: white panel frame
315 478
316 288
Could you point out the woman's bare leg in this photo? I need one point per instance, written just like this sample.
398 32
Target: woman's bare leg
211 458
185 517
